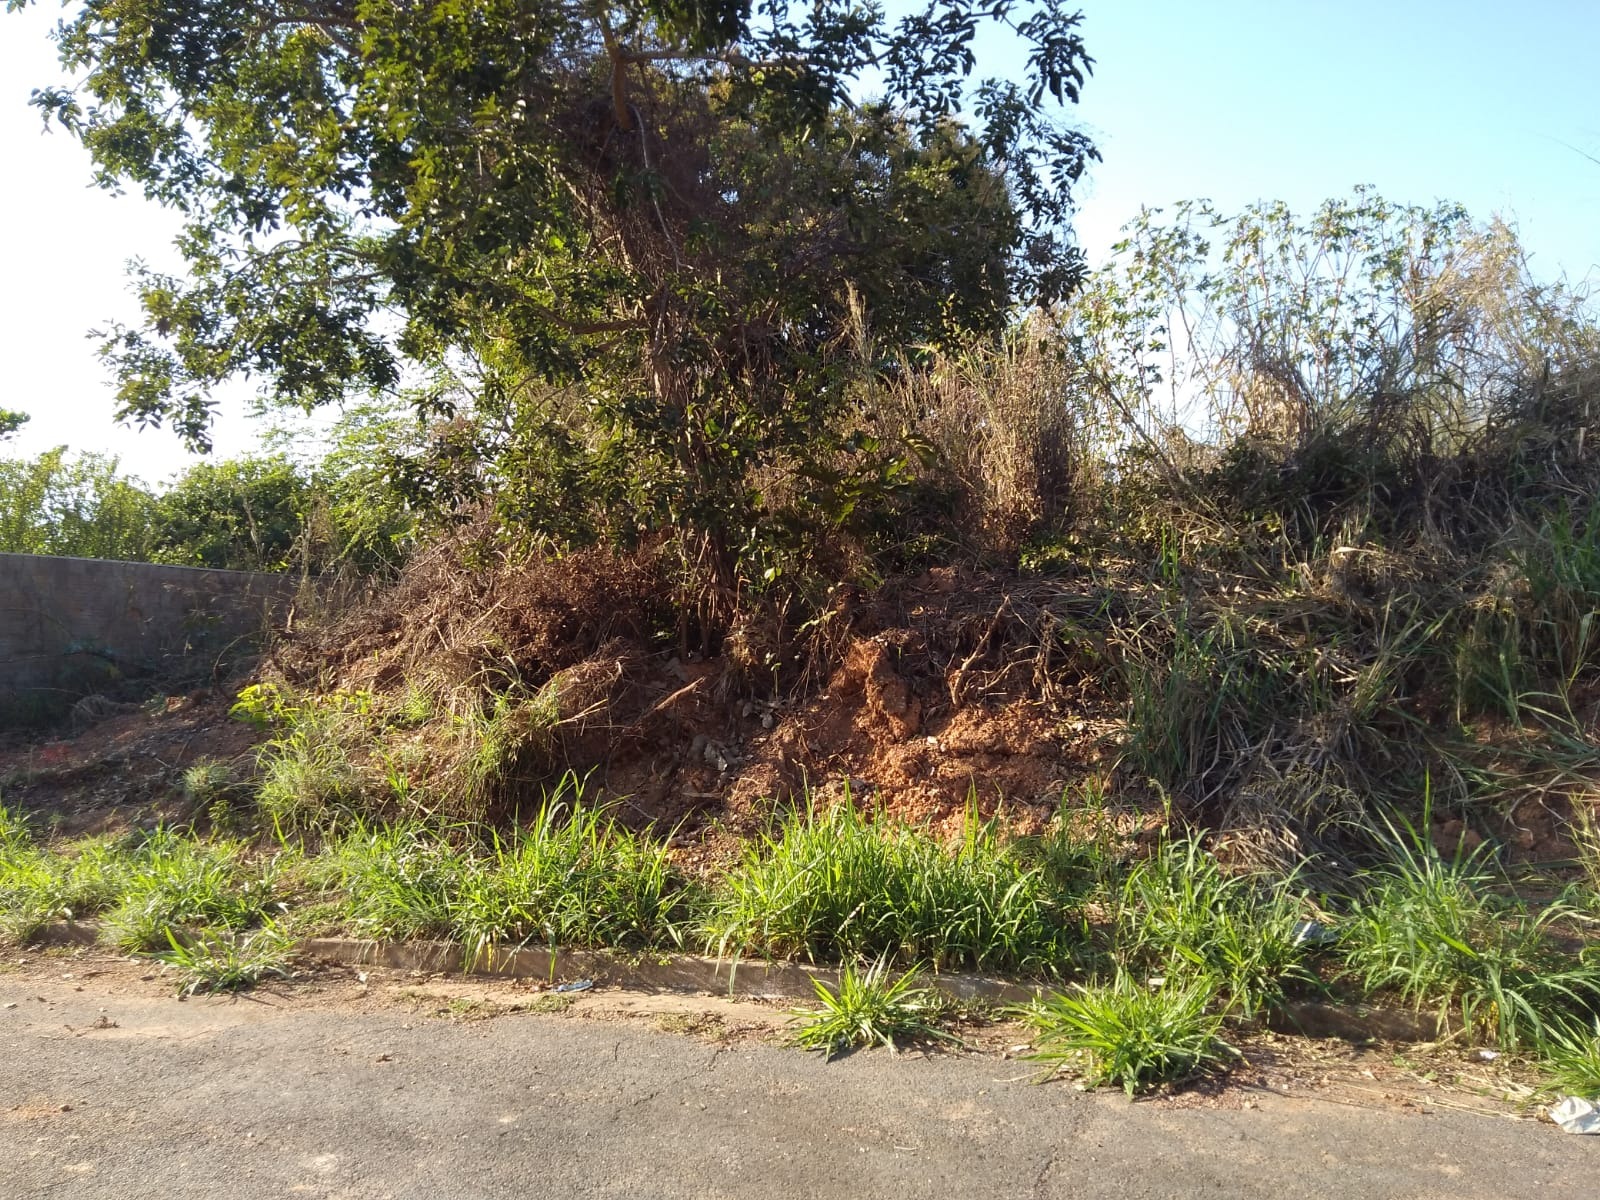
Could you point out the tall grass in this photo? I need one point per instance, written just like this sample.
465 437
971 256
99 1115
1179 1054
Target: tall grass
570 877
38 885
839 885
1443 933
173 882
1180 915
394 881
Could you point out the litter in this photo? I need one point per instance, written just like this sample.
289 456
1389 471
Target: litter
1575 1115
1313 933
577 985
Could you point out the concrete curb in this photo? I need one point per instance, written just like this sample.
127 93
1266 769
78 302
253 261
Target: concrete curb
753 978
758 979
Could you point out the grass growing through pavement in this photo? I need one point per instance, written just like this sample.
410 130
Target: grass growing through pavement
869 1008
210 961
1131 1034
839 886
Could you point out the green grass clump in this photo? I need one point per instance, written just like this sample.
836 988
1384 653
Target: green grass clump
571 878
1436 932
869 1009
38 886
174 882
1130 1034
210 961
1180 915
1571 1057
307 778
394 881
840 886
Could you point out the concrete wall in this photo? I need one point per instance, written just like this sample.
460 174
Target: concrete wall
70 627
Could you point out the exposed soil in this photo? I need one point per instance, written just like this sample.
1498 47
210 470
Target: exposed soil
936 695
125 770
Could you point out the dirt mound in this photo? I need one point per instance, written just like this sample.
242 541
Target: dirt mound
937 692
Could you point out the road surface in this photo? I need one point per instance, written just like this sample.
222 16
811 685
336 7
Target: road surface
111 1089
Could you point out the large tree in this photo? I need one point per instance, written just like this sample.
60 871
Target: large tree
675 206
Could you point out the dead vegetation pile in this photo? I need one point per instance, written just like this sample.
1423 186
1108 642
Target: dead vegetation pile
478 678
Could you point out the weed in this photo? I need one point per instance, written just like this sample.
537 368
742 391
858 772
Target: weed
226 961
1180 915
173 882
869 1009
1434 931
570 878
308 780
549 1004
14 833
39 886
205 781
692 1024
1571 1056
1131 1034
394 881
840 885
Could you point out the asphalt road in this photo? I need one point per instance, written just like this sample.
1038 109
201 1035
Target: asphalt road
109 1093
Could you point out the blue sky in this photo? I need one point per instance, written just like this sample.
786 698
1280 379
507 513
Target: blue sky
1491 105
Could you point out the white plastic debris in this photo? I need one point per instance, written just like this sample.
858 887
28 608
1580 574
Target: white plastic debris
1576 1115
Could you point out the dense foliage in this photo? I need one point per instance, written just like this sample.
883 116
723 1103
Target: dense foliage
259 512
670 208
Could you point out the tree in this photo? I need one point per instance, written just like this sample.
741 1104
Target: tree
10 422
243 514
671 204
73 505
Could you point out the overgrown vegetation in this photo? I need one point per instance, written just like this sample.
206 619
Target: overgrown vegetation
838 885
1447 931
746 394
